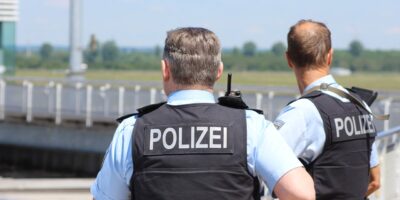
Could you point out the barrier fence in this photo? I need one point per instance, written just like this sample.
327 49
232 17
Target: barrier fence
102 102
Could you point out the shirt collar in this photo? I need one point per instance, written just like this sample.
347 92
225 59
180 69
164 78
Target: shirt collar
328 79
181 97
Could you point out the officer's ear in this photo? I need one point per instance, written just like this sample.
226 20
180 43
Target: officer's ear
329 57
220 70
289 61
165 69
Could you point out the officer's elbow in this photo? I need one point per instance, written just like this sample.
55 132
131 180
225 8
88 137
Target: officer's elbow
375 185
296 184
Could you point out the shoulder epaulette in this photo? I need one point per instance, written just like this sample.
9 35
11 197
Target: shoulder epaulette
141 111
149 108
120 119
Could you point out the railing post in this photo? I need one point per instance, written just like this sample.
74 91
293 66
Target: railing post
259 98
29 101
121 94
78 87
271 95
49 94
103 94
386 109
58 103
136 97
89 90
163 96
153 95
2 99
24 95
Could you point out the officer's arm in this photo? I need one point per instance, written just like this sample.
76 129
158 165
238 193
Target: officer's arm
295 184
375 180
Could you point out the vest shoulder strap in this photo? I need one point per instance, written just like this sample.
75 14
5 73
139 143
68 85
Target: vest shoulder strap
351 97
120 119
141 111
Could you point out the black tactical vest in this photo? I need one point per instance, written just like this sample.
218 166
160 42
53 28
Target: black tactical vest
195 151
342 169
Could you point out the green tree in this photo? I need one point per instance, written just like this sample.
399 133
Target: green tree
356 48
249 48
45 51
235 51
278 48
110 51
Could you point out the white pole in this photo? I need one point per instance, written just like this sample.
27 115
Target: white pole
24 95
162 93
89 90
153 95
49 88
136 97
78 87
271 95
121 92
386 107
58 103
75 59
29 99
2 99
259 98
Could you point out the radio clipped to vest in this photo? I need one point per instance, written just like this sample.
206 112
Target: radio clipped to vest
234 99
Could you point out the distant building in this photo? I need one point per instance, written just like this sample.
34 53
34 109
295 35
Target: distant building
339 71
8 18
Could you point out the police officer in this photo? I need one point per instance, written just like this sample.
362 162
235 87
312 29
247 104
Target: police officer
193 148
331 132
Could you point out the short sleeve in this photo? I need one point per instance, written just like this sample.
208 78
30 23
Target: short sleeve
301 125
273 158
112 181
374 161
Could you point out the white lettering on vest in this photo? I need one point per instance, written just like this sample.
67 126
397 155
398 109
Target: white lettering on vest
199 145
154 138
181 145
355 125
173 143
199 137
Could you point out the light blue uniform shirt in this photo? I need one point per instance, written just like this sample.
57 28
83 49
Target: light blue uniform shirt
268 156
302 127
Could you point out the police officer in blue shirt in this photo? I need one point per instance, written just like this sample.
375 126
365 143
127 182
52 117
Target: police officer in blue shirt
193 148
331 134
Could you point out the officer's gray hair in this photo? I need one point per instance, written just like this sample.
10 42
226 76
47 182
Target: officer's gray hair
194 55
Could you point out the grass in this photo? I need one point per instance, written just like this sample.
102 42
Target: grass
382 81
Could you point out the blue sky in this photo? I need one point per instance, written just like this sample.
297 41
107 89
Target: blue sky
143 23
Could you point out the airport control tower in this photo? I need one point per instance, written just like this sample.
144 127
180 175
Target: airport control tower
8 18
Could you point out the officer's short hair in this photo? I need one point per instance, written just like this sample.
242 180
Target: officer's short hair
308 47
194 55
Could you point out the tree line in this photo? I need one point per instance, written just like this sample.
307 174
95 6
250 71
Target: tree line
108 55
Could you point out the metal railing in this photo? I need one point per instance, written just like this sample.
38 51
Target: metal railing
99 101
389 157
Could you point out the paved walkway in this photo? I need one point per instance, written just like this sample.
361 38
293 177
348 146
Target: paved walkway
45 189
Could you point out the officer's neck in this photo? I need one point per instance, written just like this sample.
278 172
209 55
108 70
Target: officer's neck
307 76
190 87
